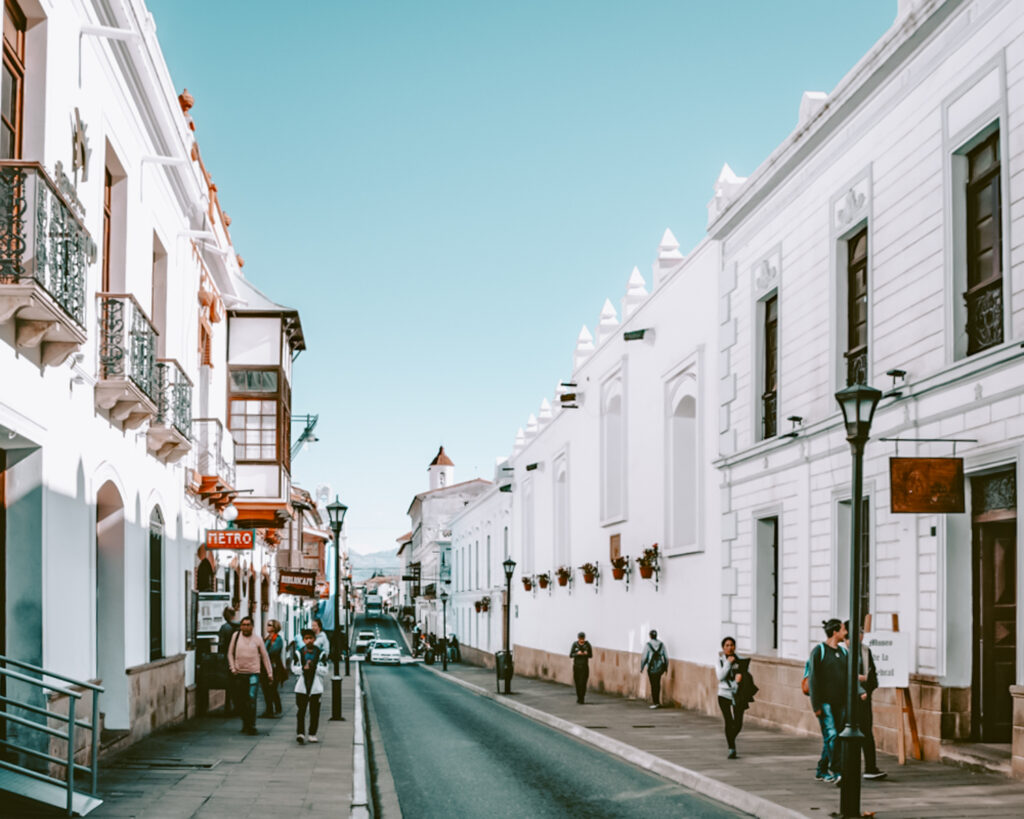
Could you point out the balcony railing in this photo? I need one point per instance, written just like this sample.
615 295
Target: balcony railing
215 449
127 343
857 366
174 404
769 419
984 315
42 239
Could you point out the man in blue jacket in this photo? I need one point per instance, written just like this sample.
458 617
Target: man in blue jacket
826 677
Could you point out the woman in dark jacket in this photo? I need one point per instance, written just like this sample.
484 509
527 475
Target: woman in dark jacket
730 675
275 648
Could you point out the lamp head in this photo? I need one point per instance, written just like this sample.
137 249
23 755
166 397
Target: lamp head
510 566
230 513
336 512
858 403
444 596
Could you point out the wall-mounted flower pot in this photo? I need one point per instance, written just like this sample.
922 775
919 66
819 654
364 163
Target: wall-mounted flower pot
527 585
562 580
646 571
484 607
543 582
478 606
588 578
618 574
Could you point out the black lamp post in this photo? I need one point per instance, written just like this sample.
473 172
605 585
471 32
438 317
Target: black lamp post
858 404
336 511
348 626
444 629
509 565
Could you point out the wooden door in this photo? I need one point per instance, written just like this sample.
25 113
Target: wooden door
995 629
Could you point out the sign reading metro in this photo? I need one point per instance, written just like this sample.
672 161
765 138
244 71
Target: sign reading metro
230 538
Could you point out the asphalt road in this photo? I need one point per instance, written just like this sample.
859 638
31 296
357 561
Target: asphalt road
455 754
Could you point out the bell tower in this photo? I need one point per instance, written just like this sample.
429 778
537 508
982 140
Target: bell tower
442 470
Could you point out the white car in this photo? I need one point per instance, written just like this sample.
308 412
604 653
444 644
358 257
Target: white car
385 651
363 640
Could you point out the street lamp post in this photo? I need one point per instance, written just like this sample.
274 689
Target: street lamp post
336 511
509 565
348 627
444 629
858 404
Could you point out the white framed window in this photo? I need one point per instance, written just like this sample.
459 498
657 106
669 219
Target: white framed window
560 504
613 448
529 526
683 487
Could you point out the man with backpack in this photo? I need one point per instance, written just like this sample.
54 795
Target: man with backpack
655 660
825 675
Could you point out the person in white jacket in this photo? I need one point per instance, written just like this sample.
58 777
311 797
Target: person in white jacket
310 668
729 676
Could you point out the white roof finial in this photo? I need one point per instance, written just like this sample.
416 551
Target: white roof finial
608 323
584 347
544 415
726 187
636 292
517 447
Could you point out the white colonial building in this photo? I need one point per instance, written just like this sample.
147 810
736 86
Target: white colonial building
879 243
146 382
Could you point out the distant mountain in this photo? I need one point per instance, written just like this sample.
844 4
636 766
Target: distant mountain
364 566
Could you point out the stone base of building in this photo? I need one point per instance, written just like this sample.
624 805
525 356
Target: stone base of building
474 656
156 693
1017 752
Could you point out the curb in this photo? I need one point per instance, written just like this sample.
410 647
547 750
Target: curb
695 781
361 807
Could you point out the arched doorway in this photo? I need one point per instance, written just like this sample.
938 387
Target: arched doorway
205 579
110 611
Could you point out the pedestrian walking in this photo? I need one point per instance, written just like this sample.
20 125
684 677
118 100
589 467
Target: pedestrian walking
311 668
581 652
655 660
320 636
224 635
732 696
867 675
826 671
246 657
274 644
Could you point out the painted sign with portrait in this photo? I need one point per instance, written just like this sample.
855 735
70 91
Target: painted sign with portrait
927 485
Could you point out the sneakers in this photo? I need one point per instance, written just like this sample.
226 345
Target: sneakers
821 776
829 778
733 754
875 774
655 706
312 738
300 738
838 779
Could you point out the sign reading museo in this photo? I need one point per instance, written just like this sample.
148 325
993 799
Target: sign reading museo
301 582
230 538
889 649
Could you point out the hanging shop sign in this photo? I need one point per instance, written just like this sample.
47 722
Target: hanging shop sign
927 485
300 582
230 538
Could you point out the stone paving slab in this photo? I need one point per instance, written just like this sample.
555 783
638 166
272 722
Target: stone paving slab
269 775
773 765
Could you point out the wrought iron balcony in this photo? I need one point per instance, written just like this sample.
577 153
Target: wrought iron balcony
44 253
214 461
170 434
127 384
984 315
857 366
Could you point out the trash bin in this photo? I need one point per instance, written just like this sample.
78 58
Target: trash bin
503 667
428 656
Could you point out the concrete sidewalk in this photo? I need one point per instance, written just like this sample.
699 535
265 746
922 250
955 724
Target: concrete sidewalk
207 768
775 768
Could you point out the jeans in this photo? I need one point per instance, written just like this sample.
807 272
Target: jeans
655 680
866 725
313 700
271 697
580 675
831 716
246 686
733 717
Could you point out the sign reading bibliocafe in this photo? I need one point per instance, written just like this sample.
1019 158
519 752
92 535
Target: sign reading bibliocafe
301 582
230 538
889 649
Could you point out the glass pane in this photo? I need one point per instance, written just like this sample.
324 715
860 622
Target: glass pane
10 29
268 437
268 453
252 407
983 158
9 96
238 381
268 408
6 142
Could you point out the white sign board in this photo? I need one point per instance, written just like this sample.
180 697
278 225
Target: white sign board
892 658
211 612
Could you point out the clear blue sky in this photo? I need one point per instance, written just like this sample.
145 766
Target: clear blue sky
447 191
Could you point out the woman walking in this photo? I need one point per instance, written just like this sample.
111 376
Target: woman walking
270 682
655 659
730 674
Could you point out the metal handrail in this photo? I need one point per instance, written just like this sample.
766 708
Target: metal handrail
70 766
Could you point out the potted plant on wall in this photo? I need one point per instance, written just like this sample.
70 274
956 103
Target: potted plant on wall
485 603
563 573
543 580
527 582
590 571
477 605
648 561
619 566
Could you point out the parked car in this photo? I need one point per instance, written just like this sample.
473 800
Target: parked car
363 640
385 651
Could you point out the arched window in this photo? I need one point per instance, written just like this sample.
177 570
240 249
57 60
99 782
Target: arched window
204 576
156 606
613 453
684 473
562 552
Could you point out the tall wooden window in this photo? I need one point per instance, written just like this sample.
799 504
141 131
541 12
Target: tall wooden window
857 309
13 81
767 594
108 195
769 409
156 574
984 296
865 557
259 415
